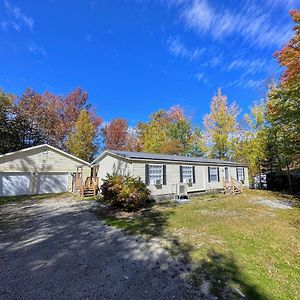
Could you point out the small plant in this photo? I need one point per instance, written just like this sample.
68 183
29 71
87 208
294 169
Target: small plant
124 192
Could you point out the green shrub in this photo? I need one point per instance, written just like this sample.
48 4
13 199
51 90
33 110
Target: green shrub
124 192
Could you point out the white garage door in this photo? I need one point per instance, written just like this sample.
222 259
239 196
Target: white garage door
12 184
52 183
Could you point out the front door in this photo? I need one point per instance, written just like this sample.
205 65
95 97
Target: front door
226 174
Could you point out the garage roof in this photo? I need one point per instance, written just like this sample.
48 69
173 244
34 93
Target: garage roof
44 147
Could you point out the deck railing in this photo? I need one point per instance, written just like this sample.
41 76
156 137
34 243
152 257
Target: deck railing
231 186
92 183
79 185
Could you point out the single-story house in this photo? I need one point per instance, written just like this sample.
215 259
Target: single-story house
39 170
165 174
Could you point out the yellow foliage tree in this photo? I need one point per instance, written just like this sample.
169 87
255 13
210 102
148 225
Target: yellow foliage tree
82 141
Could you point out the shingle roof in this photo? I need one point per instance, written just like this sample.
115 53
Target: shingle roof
177 158
43 146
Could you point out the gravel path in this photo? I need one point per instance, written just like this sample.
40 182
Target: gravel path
58 249
274 204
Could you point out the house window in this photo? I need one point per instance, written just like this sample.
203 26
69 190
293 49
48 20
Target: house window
155 173
187 174
213 174
240 174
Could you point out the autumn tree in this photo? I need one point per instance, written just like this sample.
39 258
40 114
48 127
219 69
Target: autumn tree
8 132
284 102
115 134
198 146
289 56
133 142
251 143
153 135
30 117
33 118
180 130
81 141
284 116
61 113
220 126
48 118
168 132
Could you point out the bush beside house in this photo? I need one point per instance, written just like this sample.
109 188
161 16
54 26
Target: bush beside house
124 192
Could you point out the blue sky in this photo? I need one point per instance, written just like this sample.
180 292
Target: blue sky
136 56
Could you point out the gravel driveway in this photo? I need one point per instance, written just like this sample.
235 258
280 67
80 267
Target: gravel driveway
57 248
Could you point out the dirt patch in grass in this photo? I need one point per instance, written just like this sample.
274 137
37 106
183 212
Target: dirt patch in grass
281 204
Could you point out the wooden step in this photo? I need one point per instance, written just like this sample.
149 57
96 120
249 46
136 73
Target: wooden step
88 192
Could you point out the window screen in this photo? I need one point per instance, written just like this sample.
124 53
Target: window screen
213 174
187 173
155 173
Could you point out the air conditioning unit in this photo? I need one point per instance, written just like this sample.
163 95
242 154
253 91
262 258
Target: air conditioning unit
188 180
158 182
180 192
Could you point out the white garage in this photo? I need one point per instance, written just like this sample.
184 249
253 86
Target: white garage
52 183
13 184
39 170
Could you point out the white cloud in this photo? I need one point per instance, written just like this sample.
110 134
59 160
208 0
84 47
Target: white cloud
199 15
250 66
37 49
18 15
248 21
202 78
287 4
247 83
8 23
215 60
178 49
199 76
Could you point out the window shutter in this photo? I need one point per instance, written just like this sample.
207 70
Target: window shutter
181 175
237 174
194 175
164 175
218 169
244 173
147 174
208 174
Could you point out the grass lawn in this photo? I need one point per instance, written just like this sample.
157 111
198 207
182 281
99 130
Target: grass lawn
241 247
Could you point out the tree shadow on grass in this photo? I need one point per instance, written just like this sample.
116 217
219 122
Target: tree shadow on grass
220 276
216 276
151 224
147 222
65 252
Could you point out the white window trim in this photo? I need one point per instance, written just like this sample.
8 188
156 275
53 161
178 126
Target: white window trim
216 174
187 176
153 181
239 178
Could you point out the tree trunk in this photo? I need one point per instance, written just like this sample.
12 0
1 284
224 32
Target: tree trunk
260 185
289 178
